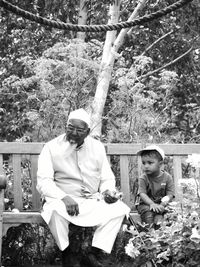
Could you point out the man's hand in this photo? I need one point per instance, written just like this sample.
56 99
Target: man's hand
110 196
157 208
71 206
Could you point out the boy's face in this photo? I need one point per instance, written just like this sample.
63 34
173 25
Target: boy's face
151 165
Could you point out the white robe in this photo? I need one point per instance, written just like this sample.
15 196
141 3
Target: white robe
82 174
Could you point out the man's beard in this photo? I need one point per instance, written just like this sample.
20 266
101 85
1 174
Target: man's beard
73 140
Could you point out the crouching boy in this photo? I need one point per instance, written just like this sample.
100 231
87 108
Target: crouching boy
156 187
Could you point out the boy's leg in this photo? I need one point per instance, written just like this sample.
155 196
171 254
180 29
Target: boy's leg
147 216
158 219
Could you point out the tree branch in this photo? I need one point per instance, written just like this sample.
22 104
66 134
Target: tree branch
157 41
135 13
120 38
166 65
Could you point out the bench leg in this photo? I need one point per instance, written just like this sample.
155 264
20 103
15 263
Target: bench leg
1 220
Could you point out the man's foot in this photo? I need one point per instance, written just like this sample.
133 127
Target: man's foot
93 259
70 259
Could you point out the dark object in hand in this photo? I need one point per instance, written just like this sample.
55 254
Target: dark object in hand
111 196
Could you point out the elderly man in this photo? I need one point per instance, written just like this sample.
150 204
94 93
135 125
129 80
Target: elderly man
78 185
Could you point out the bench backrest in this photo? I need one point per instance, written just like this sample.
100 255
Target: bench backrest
19 161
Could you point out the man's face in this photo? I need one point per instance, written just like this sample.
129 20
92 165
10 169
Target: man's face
76 131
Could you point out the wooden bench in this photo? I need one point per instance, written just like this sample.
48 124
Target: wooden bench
21 160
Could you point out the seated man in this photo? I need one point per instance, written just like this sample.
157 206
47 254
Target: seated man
78 186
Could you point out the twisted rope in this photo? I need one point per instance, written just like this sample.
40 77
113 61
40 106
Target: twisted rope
92 28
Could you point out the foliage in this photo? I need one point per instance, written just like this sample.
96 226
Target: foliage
14 121
175 96
28 245
175 243
173 112
140 110
37 106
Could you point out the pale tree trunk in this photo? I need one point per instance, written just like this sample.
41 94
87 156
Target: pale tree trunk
106 68
82 19
111 47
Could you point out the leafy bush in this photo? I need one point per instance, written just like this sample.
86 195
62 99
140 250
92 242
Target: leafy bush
63 78
176 242
29 244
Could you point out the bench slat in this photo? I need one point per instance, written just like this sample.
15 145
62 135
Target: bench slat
17 184
20 148
1 164
124 174
139 166
36 203
122 149
22 217
1 205
112 149
170 149
177 171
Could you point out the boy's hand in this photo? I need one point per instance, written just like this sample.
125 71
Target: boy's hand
71 206
110 197
165 200
157 208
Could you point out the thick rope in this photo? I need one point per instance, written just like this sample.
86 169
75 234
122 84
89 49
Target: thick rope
92 28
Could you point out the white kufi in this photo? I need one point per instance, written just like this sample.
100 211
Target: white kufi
80 114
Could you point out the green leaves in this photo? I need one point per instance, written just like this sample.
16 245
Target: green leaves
176 241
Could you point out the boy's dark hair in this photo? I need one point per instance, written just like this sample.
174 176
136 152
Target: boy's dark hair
152 153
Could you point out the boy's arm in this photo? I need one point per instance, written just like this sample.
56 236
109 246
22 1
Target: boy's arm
142 191
153 206
146 199
170 192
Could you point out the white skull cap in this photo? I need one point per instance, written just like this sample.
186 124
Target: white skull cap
80 114
150 148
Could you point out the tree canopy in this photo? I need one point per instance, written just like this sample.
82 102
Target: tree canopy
153 91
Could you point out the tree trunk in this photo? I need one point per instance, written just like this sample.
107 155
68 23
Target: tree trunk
82 20
111 47
104 77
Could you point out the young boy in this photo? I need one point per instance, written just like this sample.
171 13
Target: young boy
156 187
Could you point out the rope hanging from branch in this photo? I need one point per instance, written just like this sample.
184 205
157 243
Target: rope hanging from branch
92 28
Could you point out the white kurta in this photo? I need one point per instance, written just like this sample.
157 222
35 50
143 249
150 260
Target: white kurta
82 174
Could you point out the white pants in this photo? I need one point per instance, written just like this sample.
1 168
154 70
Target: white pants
104 235
106 217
